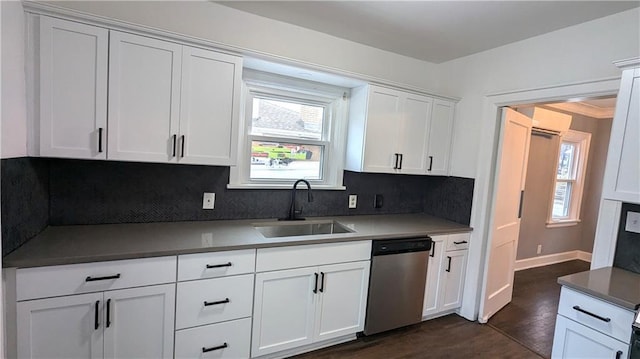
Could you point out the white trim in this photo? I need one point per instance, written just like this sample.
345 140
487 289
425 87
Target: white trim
307 348
483 196
549 259
627 63
564 223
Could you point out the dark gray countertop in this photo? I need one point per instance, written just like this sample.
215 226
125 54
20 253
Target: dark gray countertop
92 243
612 284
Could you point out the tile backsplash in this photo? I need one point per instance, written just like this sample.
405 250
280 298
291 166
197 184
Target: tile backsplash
628 245
37 192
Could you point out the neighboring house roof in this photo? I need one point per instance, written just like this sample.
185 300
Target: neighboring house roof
275 117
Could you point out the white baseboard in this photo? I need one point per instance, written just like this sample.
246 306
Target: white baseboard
552 259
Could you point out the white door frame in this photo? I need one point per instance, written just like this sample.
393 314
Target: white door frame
484 193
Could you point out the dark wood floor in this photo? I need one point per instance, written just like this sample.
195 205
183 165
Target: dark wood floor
523 329
531 316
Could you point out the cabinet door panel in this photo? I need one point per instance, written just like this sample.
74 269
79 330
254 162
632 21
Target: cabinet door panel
208 107
440 138
343 300
284 310
62 327
435 275
453 279
414 134
144 98
382 125
73 89
140 322
573 340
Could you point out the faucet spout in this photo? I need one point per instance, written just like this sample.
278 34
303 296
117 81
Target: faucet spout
293 213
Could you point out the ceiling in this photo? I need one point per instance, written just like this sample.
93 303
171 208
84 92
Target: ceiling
434 31
600 108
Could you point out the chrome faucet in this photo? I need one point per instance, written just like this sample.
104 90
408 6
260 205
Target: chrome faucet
293 213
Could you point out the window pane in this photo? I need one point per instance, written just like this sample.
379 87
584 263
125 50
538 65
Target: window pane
272 160
286 119
567 160
561 200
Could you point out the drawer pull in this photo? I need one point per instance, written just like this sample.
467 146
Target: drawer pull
206 350
226 300
93 279
209 266
619 354
591 314
462 242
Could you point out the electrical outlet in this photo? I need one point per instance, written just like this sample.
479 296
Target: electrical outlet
353 200
633 222
208 200
539 248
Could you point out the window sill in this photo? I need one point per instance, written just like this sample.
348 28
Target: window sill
283 186
565 223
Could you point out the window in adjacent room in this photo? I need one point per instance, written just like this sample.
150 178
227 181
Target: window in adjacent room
292 130
570 177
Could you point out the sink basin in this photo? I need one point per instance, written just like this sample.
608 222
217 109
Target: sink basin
307 228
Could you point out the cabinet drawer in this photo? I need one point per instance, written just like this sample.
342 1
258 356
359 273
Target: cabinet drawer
41 282
269 259
216 264
620 319
458 241
223 340
192 311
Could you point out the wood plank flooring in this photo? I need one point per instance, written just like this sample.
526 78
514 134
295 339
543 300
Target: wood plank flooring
522 330
531 316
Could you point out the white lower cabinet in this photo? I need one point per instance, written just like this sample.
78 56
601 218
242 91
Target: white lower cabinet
223 340
127 323
445 274
574 340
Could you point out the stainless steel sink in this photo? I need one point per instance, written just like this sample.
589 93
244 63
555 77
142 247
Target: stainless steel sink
307 228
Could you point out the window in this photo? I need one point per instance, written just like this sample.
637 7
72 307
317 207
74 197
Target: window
293 129
569 181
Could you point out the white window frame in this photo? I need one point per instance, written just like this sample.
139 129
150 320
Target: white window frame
334 99
582 141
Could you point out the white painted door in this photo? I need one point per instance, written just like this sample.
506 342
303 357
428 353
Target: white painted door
62 327
383 123
209 107
138 322
284 310
440 138
144 98
433 286
455 266
414 134
343 299
505 225
573 340
73 89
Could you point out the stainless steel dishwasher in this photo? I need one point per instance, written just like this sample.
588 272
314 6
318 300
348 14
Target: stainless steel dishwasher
396 285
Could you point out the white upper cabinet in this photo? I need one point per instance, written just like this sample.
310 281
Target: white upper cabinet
210 92
392 131
144 98
73 89
440 138
622 173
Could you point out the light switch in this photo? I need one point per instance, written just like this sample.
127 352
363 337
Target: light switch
633 222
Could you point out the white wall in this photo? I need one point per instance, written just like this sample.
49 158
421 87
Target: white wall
14 107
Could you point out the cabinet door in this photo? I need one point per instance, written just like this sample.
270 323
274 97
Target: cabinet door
73 89
622 173
383 122
209 107
139 322
435 275
573 340
62 327
440 138
455 265
414 134
343 299
284 310
144 98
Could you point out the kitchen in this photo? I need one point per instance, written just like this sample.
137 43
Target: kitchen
464 167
